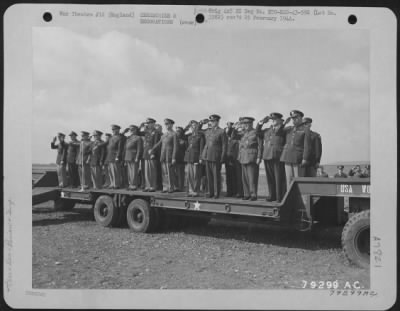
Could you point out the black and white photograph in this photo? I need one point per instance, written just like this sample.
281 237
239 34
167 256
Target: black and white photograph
194 154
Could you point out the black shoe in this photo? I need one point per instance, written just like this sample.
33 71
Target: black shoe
253 198
245 198
269 199
146 190
163 191
238 196
152 190
208 195
216 196
170 191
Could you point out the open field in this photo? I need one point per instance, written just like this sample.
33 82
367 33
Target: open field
71 251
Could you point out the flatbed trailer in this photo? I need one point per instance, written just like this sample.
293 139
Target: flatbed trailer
309 200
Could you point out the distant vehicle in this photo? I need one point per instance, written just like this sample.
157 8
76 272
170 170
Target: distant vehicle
309 200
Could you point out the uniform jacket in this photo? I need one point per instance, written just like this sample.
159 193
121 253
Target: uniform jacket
195 147
181 144
97 153
249 147
316 148
61 152
72 152
84 151
215 145
169 145
343 175
115 148
150 138
232 151
273 140
133 150
298 144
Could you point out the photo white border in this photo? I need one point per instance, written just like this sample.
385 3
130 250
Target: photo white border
18 293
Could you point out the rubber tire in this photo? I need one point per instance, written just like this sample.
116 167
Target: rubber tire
350 234
112 218
149 221
63 204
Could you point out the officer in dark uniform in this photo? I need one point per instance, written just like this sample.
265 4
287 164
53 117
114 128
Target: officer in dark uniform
72 154
250 158
96 159
106 175
355 171
168 144
181 146
340 173
233 168
316 150
213 155
61 158
193 152
83 159
115 148
366 172
297 150
273 140
133 153
122 168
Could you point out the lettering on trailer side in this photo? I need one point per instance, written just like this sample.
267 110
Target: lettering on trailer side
346 189
365 188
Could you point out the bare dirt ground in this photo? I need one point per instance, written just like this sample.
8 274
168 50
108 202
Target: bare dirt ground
71 251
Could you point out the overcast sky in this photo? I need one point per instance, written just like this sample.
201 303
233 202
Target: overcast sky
88 79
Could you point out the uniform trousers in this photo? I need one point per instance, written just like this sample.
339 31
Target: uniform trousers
249 179
84 175
132 169
150 174
275 172
124 175
194 177
73 175
106 176
180 176
168 176
62 175
234 184
293 170
311 171
213 173
114 172
97 176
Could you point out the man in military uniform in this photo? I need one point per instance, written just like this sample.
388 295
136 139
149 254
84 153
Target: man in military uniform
123 171
273 140
181 146
151 137
250 158
297 149
316 150
133 153
168 144
61 158
192 157
96 159
340 173
355 171
233 168
321 172
83 161
213 155
72 154
106 176
115 149
366 172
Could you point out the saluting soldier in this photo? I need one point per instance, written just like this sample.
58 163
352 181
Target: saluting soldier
192 157
132 155
115 149
61 158
168 143
366 172
106 175
151 137
72 154
355 171
297 149
233 168
96 158
83 161
250 158
214 153
181 146
340 173
273 140
316 150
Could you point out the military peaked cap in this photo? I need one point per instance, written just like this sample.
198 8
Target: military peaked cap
169 121
84 133
115 127
73 134
150 120
307 120
247 119
275 115
340 167
214 117
132 126
193 121
108 135
229 123
179 128
60 134
98 133
295 113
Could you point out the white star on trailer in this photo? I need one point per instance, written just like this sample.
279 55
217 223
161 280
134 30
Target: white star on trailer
197 206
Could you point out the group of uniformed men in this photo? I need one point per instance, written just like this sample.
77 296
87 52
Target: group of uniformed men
150 160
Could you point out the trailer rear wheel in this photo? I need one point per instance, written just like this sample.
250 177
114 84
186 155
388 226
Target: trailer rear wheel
63 204
141 217
105 212
356 239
